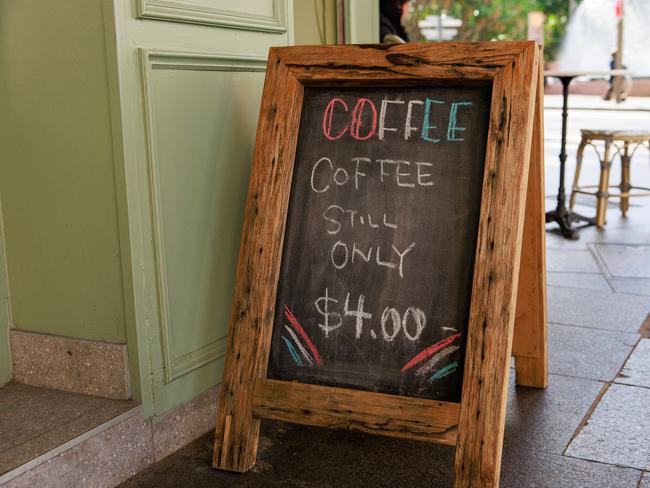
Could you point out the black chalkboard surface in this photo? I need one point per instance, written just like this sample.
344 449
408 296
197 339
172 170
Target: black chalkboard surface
376 274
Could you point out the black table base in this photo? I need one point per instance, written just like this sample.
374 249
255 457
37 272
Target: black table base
564 218
562 215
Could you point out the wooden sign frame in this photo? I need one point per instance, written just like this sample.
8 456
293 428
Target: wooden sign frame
475 425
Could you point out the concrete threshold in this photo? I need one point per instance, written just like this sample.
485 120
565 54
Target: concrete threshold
51 456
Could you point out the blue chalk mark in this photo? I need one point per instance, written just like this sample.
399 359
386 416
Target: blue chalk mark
426 125
292 350
452 128
441 373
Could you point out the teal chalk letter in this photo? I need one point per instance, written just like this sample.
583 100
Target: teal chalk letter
426 125
452 128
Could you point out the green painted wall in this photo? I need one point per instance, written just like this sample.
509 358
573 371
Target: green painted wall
56 171
361 21
314 22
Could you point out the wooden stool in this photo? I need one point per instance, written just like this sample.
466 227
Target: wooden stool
616 142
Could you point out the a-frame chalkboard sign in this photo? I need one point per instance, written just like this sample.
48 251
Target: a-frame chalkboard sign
379 284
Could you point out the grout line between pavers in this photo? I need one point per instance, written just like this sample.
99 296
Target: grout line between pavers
598 273
598 380
550 453
596 402
587 416
630 385
621 466
597 328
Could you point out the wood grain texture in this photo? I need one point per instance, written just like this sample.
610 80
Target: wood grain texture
390 415
530 335
400 63
491 323
251 320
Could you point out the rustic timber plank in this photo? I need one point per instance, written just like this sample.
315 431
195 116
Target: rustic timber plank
390 415
400 62
253 304
530 337
491 323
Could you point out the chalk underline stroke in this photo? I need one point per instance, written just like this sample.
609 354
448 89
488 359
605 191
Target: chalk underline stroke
429 351
301 332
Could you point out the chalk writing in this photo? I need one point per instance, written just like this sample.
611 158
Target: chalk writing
364 117
379 237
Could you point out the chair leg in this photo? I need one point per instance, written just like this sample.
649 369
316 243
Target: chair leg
625 180
603 186
576 176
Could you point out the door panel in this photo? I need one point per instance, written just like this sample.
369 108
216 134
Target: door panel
199 172
189 94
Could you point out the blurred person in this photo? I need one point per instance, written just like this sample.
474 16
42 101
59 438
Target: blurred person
391 15
610 81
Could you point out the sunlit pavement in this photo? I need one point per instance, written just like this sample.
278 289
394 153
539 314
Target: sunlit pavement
590 428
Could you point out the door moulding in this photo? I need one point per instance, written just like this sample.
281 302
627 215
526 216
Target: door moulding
176 365
196 13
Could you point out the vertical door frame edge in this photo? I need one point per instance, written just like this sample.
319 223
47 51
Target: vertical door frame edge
6 318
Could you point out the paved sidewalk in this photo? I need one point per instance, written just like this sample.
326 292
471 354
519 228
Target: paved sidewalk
590 102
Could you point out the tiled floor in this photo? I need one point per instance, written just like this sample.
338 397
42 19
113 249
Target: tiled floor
589 429
35 420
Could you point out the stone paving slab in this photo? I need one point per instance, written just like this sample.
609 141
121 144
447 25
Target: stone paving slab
624 260
299 456
588 281
545 420
636 286
571 261
523 469
34 420
618 431
625 234
588 353
296 456
637 368
591 102
597 309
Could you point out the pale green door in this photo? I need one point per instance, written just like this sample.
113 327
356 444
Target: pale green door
187 95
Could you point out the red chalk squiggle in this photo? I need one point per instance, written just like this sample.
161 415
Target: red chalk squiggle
296 325
430 351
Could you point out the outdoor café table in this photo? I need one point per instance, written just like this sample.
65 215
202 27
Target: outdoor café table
562 215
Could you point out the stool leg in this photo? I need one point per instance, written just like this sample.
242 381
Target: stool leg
625 180
603 186
576 177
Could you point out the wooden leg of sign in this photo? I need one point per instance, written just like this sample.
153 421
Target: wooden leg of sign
529 342
489 336
250 328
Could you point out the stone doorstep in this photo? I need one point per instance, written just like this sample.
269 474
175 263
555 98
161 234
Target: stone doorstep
70 364
116 450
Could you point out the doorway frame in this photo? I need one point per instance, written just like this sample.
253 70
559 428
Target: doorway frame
5 311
